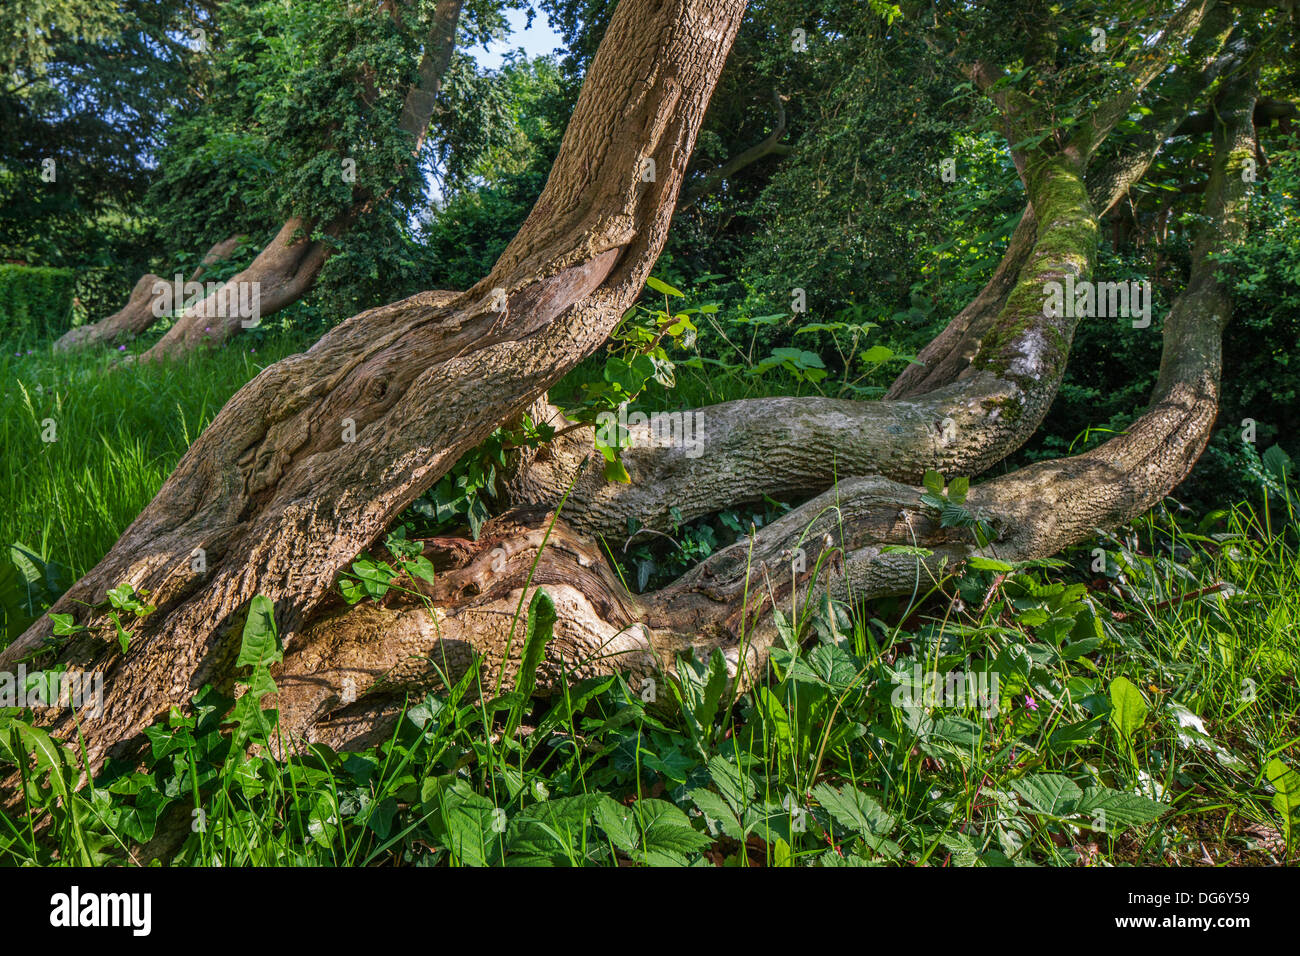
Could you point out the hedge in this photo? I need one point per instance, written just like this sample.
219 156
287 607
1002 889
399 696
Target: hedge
35 302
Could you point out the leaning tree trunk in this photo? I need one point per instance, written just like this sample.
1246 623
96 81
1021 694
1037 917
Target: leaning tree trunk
310 462
470 616
315 457
138 314
981 390
287 268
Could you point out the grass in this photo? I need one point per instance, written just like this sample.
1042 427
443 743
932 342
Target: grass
1132 705
117 435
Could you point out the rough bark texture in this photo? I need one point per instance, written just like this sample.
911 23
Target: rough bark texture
472 615
965 408
273 491
280 499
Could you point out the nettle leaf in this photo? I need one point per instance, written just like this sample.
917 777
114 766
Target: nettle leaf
933 482
618 822
1050 793
666 833
551 833
953 515
1128 708
854 809
1115 808
719 811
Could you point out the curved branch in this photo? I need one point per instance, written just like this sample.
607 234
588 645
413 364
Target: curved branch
771 146
838 544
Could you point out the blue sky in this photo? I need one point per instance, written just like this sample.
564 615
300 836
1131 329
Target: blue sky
540 39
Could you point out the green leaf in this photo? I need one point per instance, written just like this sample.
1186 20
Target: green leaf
933 482
260 644
877 354
666 832
1128 708
1286 787
618 822
854 809
1120 809
538 632
978 563
1051 793
663 287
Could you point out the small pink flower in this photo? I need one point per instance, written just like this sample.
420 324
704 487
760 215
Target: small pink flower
121 348
1030 703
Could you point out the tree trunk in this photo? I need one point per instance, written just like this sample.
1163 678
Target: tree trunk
313 459
287 268
836 544
308 464
138 314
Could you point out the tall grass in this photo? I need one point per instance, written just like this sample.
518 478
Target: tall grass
117 434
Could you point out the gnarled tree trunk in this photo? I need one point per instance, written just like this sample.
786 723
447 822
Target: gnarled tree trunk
309 463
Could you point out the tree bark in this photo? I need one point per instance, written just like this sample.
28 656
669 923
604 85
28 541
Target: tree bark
471 615
313 459
962 410
138 314
309 463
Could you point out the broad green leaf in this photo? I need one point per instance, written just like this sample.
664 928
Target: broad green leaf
260 644
1119 808
1051 793
854 809
663 287
1286 787
1128 708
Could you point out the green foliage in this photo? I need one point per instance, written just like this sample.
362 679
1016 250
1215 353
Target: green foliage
35 303
839 756
117 437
